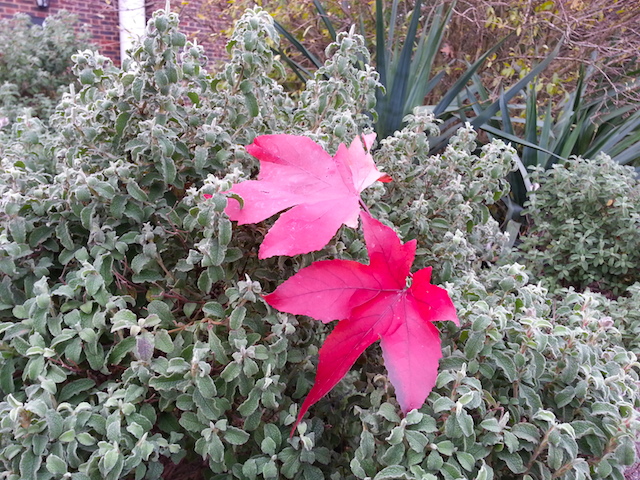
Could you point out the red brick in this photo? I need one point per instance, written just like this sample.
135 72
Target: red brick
102 18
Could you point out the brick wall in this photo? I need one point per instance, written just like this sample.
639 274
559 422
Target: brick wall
201 19
100 15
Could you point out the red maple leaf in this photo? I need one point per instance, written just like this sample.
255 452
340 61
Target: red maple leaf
296 172
372 302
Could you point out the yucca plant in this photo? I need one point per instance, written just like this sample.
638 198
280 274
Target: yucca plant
302 72
405 73
581 125
469 101
405 64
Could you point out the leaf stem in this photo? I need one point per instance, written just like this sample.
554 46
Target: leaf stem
364 206
540 449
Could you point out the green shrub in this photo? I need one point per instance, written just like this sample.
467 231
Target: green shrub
585 225
623 313
35 61
529 388
442 200
626 316
134 338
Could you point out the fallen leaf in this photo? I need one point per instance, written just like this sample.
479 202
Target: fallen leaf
447 51
320 192
379 301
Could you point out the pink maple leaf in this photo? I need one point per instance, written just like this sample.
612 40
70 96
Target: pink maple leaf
320 192
373 302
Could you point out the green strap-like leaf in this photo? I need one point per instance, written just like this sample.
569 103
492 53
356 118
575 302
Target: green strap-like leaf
509 94
392 24
506 118
302 73
460 84
423 61
325 19
530 155
512 138
545 135
381 57
393 112
301 48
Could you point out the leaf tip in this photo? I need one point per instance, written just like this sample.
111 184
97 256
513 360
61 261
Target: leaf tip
233 196
368 139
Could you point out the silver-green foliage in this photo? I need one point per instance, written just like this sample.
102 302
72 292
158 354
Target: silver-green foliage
585 225
528 388
624 314
35 61
442 200
133 335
